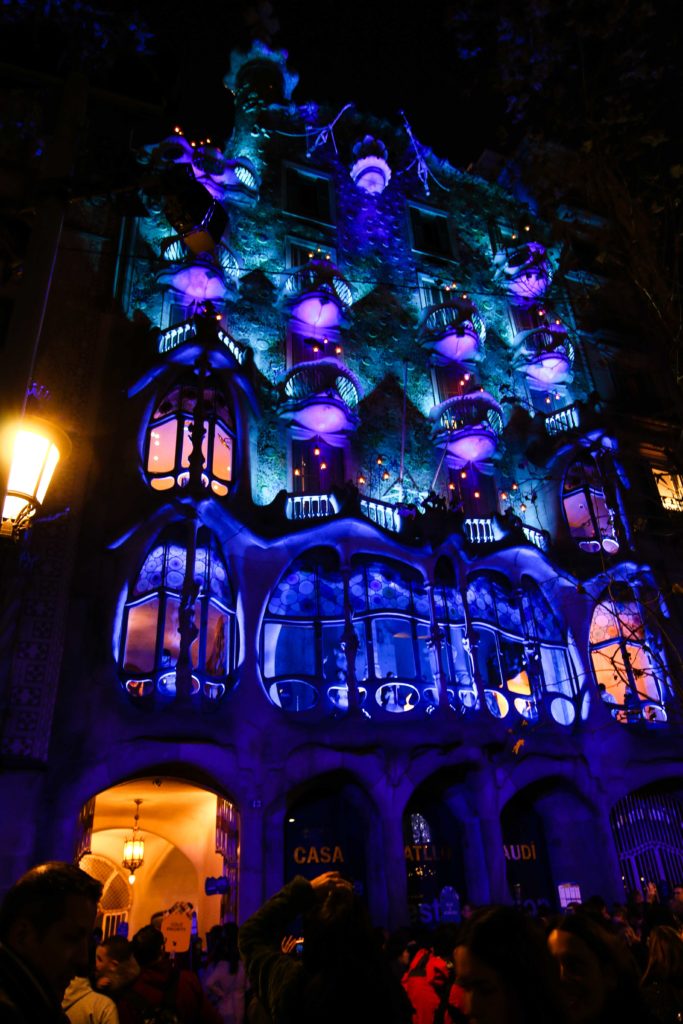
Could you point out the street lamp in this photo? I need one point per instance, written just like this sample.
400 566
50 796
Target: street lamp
37 446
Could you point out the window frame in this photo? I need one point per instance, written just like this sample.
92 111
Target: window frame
289 168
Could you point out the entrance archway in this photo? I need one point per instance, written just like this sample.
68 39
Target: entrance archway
191 838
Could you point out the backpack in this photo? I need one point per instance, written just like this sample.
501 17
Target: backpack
164 1013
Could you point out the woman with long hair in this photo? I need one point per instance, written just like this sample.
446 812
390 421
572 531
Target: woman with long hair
663 978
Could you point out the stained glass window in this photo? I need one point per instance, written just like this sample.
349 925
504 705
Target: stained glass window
170 439
151 637
590 520
304 633
627 657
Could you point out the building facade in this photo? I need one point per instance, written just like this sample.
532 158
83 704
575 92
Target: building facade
365 556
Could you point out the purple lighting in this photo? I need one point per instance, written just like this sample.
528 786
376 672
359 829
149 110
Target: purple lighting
199 282
525 271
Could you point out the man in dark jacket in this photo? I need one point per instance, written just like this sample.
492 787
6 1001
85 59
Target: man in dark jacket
46 921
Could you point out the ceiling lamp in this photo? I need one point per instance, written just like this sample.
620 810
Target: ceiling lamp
36 449
134 848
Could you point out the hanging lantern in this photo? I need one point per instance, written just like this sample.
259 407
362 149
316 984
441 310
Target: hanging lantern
36 449
134 848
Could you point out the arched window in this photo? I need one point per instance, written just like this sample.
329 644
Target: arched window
150 636
303 650
590 519
498 641
169 439
520 649
547 643
627 657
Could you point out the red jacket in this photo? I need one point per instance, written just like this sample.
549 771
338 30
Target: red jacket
427 982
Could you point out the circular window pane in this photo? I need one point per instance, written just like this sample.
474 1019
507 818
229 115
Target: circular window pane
339 695
166 684
526 708
139 687
397 697
214 691
654 713
496 703
563 711
293 695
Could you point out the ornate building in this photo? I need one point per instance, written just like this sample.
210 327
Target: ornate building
365 553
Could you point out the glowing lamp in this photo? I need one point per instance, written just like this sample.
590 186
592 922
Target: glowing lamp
36 449
134 848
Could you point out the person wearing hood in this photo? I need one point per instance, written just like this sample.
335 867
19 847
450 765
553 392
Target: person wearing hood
83 1005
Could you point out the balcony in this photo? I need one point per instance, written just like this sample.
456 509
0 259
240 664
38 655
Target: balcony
310 506
469 426
480 530
524 271
562 421
546 355
318 294
198 280
455 331
197 328
383 513
223 177
319 398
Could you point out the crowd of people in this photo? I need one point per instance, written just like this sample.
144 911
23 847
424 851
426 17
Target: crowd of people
500 966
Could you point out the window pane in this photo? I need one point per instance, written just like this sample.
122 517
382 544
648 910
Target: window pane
512 656
171 645
557 672
487 658
187 443
644 676
141 637
162 446
217 641
393 642
670 488
334 656
222 454
577 510
288 649
459 668
610 673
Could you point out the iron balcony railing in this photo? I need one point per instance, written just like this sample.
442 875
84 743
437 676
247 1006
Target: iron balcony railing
322 376
319 276
476 409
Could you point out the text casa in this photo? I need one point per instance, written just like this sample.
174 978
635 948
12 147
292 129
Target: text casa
318 855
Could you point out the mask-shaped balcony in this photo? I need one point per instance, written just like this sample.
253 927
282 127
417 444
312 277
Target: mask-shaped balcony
370 172
546 355
469 427
319 398
318 294
202 279
223 177
525 271
455 331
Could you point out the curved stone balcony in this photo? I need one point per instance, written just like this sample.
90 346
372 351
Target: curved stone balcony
221 176
455 331
318 294
469 426
203 278
524 271
546 355
319 398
